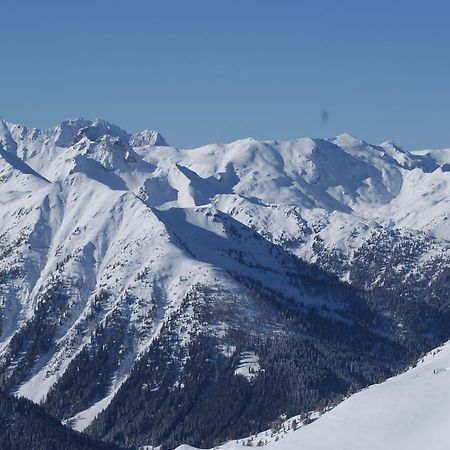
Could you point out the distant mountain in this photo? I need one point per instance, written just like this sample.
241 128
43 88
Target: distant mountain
406 412
151 295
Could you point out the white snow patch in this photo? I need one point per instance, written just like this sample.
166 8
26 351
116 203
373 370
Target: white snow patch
248 365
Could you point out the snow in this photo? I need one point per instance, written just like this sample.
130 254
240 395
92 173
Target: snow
441 156
248 365
407 412
130 216
83 419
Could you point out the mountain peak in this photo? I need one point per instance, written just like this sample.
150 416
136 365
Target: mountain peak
148 137
393 146
70 131
347 139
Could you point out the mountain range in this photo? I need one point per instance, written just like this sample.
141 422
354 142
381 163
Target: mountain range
151 295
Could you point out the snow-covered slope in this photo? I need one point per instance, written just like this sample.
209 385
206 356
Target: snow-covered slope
106 238
441 156
407 412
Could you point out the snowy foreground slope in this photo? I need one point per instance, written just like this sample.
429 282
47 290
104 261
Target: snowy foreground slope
407 412
135 276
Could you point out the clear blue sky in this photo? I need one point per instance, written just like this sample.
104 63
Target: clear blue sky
205 71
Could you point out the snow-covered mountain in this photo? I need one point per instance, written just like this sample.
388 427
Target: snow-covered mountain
123 259
407 412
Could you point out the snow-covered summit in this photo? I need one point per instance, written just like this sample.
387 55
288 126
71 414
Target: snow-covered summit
70 131
146 138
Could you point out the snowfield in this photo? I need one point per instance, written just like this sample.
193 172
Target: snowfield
407 412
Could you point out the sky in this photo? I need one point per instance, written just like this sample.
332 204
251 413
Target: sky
202 71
